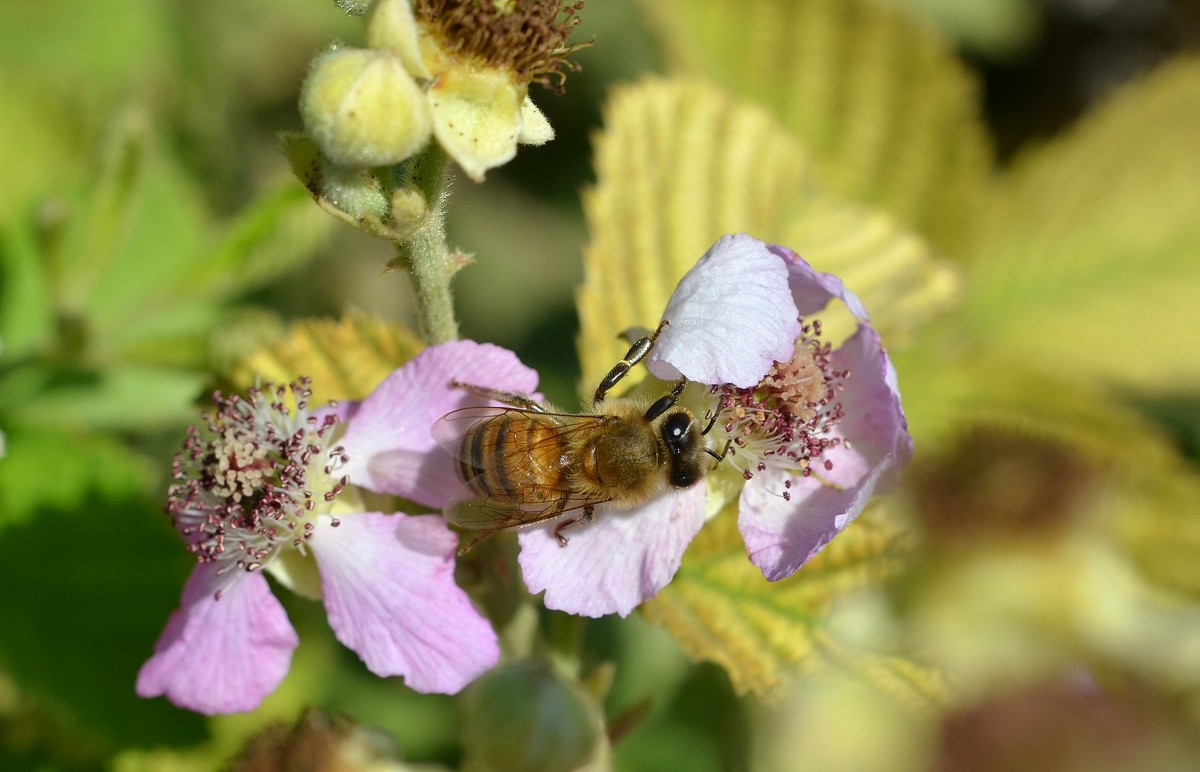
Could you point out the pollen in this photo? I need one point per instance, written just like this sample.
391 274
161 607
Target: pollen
788 418
248 483
528 37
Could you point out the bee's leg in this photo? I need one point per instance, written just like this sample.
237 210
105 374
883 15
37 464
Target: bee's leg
637 352
666 401
507 397
478 538
584 518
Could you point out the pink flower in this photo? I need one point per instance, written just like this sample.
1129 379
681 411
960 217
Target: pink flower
814 431
265 486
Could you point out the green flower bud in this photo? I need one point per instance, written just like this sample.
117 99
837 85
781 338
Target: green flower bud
362 108
409 209
528 717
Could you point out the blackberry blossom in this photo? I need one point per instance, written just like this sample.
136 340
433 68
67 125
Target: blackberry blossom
269 485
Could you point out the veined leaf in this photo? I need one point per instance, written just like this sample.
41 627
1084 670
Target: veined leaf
679 164
888 112
1087 262
345 359
721 609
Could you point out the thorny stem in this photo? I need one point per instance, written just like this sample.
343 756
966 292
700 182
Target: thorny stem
426 254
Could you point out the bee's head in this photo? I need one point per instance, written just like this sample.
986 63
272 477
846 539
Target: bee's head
685 444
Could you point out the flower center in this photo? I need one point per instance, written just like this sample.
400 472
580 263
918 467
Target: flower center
250 482
528 37
785 420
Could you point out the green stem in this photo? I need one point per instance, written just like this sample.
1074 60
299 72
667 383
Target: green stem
426 254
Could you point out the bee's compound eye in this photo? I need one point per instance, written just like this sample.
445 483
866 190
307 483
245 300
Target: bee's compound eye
675 430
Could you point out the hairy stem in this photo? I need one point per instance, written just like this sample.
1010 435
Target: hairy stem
426 254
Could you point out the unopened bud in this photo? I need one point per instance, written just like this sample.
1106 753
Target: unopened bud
528 717
362 108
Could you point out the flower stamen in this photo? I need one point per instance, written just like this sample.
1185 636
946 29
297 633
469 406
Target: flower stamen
786 419
528 37
248 484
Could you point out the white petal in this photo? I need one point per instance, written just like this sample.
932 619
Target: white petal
618 561
731 317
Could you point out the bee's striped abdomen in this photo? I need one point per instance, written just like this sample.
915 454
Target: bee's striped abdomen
513 456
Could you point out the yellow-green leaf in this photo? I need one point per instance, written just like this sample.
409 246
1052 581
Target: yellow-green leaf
1088 263
886 108
679 164
721 608
1138 491
345 359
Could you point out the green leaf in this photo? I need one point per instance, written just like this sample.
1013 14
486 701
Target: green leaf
721 608
89 587
121 397
889 113
138 225
26 312
1087 262
52 470
42 136
98 49
277 232
678 165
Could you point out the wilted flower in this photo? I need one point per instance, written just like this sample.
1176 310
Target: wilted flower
813 431
265 486
454 69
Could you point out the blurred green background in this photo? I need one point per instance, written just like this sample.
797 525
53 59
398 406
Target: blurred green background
151 237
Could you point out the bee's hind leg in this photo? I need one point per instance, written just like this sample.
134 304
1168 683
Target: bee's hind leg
513 398
584 518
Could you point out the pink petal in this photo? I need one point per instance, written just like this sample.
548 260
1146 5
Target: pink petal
812 290
388 584
618 561
781 536
731 317
221 656
387 438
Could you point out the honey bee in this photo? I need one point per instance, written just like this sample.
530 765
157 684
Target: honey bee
528 462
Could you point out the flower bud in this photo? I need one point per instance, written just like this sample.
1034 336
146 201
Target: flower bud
362 108
528 717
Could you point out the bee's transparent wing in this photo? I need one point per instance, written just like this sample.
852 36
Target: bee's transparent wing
536 495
